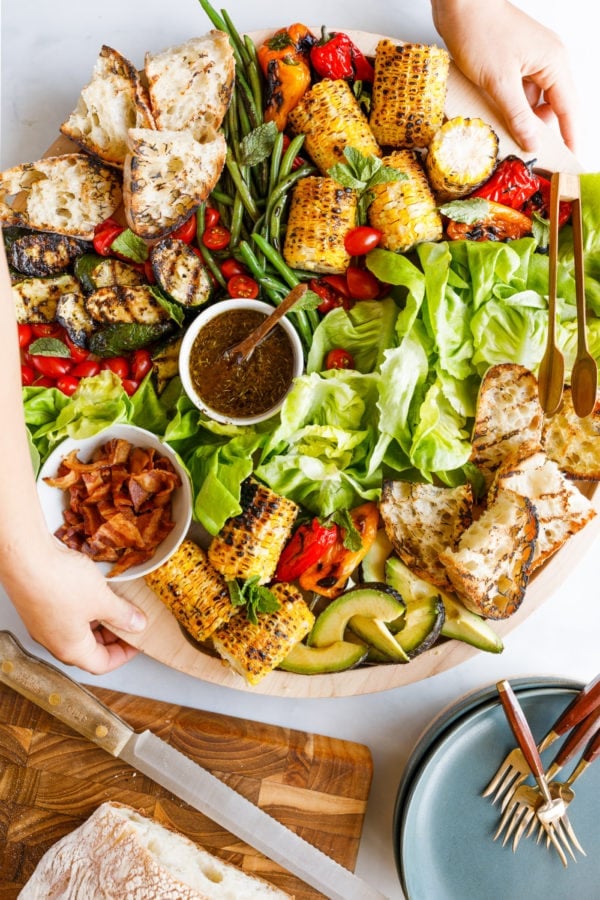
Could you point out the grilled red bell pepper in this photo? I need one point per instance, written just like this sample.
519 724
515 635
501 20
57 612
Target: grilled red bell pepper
540 203
305 548
104 234
512 183
336 56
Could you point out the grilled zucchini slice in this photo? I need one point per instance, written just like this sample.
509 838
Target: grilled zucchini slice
97 272
41 255
125 304
72 314
36 299
180 272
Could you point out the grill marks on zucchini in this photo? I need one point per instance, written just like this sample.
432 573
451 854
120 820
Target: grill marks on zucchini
36 299
180 273
41 255
121 303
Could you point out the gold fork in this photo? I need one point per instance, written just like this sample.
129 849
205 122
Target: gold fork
514 769
520 805
551 811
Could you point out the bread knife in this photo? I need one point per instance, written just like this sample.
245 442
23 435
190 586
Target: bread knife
48 687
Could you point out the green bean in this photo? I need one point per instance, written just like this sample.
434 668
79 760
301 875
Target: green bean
276 260
241 186
207 256
276 155
237 216
221 25
238 43
278 197
254 73
273 289
221 197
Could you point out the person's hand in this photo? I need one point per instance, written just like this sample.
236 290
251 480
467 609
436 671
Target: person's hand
62 598
521 64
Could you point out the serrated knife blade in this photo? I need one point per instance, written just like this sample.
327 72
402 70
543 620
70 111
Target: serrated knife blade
71 703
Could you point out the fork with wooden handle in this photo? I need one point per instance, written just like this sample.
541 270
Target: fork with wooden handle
551 810
514 769
526 798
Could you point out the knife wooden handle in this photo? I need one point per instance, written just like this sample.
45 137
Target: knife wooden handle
578 737
520 728
52 690
586 701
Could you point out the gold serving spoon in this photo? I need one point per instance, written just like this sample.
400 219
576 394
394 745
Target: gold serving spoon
584 376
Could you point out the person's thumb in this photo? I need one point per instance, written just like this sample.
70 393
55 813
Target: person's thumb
122 615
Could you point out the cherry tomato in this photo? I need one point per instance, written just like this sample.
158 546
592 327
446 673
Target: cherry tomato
25 335
45 382
212 217
362 284
216 237
230 267
141 363
52 366
361 240
338 283
242 286
47 329
67 384
104 234
130 386
339 359
187 231
118 365
86 369
28 374
330 298
78 354
149 271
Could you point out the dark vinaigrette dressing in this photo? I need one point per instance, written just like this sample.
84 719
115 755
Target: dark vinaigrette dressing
240 389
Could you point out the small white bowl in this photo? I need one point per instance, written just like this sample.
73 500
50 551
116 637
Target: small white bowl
54 501
190 336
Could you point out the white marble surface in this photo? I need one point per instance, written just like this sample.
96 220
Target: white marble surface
48 50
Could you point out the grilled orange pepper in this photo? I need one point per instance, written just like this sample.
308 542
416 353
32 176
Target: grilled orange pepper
285 62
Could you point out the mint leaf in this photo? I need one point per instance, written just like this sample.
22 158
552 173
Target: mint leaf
361 173
387 174
342 174
130 245
175 310
258 144
469 212
49 347
342 518
309 300
255 597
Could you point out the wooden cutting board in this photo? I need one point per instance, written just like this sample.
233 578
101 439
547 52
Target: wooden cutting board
51 780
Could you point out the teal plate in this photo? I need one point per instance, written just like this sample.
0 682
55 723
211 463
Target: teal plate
446 850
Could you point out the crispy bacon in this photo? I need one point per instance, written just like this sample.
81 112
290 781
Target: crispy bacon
119 504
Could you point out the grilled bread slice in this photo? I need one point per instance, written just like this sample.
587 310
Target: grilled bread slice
490 567
68 194
561 509
114 101
254 650
122 303
574 442
508 414
422 520
167 175
190 86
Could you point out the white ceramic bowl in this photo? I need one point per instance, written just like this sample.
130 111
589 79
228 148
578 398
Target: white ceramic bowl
54 501
190 336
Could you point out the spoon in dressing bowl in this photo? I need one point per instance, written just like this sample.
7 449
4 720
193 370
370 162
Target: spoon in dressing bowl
242 351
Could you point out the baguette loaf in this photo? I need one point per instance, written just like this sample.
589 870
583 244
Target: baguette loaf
190 86
167 174
119 853
113 102
68 194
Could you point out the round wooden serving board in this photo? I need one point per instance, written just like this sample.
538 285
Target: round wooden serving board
163 639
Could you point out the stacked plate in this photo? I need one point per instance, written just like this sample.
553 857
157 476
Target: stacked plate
443 827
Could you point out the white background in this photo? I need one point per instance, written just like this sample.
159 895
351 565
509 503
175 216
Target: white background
48 51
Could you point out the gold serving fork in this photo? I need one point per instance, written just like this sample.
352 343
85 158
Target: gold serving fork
514 769
520 805
551 811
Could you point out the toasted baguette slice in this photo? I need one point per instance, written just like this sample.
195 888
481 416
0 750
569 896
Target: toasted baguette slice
167 174
422 520
572 442
68 194
113 102
118 852
508 413
561 509
190 85
490 567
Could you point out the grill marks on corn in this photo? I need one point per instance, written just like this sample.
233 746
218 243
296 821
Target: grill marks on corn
321 214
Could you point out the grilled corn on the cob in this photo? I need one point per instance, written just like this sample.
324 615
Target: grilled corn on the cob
405 211
461 156
250 543
195 593
321 213
409 93
331 118
255 650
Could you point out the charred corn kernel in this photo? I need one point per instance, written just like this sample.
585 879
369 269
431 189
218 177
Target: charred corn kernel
405 211
321 213
195 593
331 118
409 93
461 156
250 543
255 650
